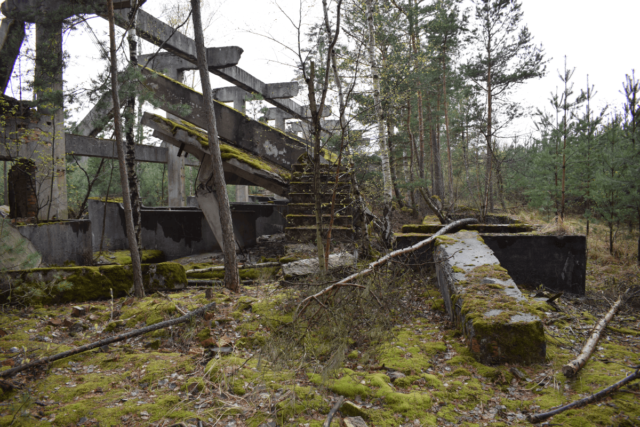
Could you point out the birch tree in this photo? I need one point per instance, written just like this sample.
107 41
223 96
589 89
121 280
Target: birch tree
387 189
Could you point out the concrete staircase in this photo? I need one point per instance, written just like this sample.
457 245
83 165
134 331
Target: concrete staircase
301 219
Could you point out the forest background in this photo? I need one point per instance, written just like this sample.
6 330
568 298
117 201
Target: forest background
547 143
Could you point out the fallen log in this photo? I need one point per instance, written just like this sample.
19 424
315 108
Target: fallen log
537 418
110 340
348 280
571 369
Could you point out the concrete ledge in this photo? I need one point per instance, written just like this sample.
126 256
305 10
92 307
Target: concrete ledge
500 324
79 284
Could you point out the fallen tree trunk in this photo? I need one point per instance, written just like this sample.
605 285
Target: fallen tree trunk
571 369
433 206
106 341
305 303
536 418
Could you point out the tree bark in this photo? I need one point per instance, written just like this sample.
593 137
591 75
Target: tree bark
231 276
387 190
129 121
138 286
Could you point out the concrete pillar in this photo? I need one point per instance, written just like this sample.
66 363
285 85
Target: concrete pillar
175 174
175 164
52 189
242 191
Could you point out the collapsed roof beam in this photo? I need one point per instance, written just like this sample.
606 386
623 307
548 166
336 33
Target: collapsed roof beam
233 126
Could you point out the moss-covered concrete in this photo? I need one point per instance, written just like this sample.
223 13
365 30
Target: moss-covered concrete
79 284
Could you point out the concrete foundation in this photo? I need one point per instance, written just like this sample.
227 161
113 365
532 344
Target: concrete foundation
558 263
180 232
61 242
500 324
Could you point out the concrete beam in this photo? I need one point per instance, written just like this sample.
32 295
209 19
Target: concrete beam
485 303
274 90
217 57
11 37
233 127
34 10
157 32
254 176
87 146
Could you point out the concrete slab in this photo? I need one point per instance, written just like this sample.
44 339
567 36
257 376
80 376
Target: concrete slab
499 322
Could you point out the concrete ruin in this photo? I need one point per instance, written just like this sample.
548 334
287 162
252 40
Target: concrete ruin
253 152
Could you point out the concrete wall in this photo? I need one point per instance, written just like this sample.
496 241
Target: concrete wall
183 231
557 262
59 242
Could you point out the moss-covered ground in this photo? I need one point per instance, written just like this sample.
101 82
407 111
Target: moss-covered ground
215 370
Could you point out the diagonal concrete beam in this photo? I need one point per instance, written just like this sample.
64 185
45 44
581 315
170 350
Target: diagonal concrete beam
233 126
232 167
161 34
11 37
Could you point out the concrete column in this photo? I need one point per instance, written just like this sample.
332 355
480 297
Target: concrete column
242 191
52 186
175 164
175 173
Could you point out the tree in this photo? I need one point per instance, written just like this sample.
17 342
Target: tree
126 197
231 275
504 56
383 142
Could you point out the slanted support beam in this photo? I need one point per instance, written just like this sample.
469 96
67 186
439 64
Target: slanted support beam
11 37
233 127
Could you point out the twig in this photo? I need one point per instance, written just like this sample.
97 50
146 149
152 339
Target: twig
571 369
107 341
333 411
536 418
305 303
184 313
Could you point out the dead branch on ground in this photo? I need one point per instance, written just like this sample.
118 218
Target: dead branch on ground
110 340
536 418
571 369
305 303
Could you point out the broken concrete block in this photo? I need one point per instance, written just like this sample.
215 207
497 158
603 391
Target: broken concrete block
501 324
310 266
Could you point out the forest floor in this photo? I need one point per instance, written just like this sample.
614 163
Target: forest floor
220 369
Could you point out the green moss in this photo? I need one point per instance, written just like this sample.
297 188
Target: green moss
457 269
228 152
289 258
149 256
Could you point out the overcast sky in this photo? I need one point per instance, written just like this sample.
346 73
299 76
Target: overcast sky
599 39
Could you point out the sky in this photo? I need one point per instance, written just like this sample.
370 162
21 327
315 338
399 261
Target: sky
598 40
